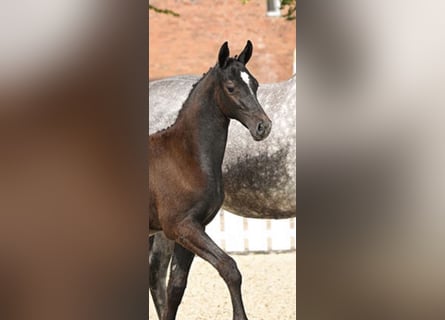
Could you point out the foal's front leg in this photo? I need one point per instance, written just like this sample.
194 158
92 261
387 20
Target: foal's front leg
179 270
193 237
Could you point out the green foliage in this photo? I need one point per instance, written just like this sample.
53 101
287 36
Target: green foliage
291 6
164 11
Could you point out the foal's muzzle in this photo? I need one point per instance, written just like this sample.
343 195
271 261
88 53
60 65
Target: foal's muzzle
263 128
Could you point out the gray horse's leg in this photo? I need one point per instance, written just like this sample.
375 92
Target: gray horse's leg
159 258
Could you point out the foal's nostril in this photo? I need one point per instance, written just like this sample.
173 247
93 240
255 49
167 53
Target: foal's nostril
260 128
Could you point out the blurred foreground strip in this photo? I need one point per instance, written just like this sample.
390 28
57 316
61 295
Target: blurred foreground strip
370 160
72 171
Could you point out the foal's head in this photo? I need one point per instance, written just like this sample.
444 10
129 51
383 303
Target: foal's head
237 92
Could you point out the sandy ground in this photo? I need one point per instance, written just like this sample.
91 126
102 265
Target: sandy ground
269 289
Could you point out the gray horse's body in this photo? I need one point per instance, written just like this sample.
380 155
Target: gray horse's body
259 180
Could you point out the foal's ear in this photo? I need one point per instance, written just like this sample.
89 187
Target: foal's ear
244 56
223 55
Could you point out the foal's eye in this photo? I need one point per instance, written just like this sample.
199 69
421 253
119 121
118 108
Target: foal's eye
230 86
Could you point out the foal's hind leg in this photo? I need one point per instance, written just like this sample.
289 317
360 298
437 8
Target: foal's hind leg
160 254
179 270
196 240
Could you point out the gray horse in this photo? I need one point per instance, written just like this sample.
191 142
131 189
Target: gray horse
259 182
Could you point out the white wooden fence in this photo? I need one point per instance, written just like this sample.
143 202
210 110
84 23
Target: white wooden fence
236 234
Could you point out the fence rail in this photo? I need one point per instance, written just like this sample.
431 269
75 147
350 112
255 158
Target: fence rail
236 234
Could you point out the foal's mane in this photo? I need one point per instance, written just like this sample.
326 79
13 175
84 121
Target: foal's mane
181 111
194 86
229 61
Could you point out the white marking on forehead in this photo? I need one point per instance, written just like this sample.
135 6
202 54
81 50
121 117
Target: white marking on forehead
246 79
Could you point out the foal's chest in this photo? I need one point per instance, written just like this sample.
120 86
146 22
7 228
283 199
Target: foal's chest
215 201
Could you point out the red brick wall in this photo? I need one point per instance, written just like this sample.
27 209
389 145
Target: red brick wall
189 44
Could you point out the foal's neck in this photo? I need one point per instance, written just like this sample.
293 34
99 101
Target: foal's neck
205 126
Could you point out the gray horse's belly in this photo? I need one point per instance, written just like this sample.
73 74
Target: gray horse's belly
258 190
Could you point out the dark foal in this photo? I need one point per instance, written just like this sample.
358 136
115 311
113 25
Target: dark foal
185 178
